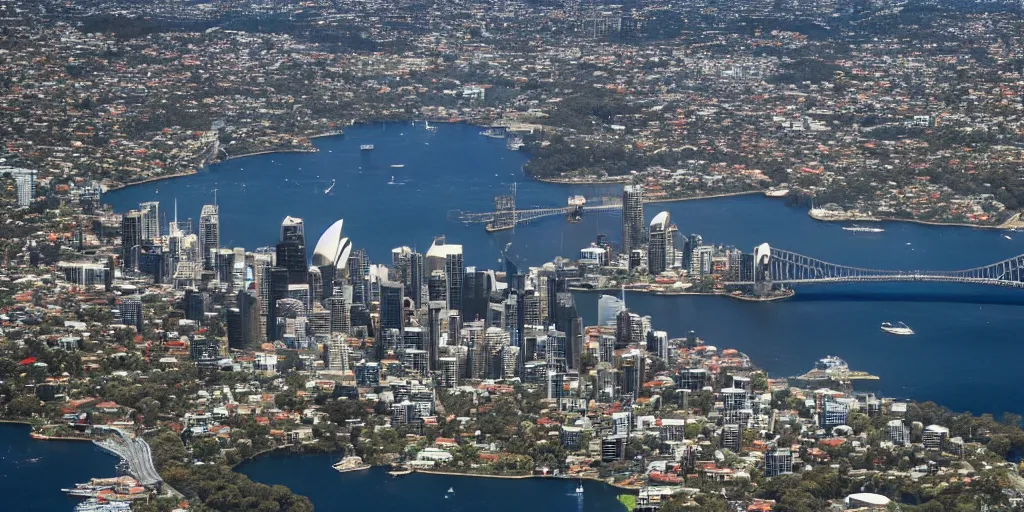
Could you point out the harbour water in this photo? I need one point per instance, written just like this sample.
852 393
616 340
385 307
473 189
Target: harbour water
960 357
32 473
312 476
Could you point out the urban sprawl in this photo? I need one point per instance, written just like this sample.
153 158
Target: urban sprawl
186 358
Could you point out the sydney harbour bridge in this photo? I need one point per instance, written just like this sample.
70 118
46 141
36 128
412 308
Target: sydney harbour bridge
773 267
770 268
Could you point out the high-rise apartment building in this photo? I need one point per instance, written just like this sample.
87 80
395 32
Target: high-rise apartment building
131 239
209 233
659 245
448 258
632 218
150 220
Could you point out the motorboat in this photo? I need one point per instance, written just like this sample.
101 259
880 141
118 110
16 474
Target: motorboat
900 329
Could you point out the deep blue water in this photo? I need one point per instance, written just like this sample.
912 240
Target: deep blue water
32 473
330 491
964 355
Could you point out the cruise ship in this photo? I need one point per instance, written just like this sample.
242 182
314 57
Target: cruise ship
862 229
900 329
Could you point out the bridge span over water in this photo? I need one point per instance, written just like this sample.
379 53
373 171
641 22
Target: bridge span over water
773 266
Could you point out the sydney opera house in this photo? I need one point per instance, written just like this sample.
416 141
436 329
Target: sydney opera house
332 252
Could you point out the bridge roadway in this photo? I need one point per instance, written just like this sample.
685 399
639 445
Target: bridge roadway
528 215
894 278
136 452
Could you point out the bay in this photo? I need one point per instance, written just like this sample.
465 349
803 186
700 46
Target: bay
32 473
963 355
330 491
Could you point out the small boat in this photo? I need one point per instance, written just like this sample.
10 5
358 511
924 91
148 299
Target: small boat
397 166
330 188
451 490
366 147
579 488
862 229
900 329
429 128
391 181
1007 237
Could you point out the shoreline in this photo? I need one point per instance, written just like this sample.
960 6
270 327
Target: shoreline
1011 223
1001 226
524 477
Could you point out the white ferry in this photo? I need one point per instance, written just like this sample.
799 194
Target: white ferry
776 192
862 229
900 329
366 147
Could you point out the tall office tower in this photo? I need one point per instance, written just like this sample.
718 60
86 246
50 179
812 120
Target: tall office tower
392 314
495 341
434 319
340 315
359 272
291 250
249 311
659 248
316 284
414 288
632 218
278 291
209 233
263 261
608 308
150 220
473 339
477 292
437 287
400 264
568 320
194 305
131 239
448 258
531 308
131 313
224 264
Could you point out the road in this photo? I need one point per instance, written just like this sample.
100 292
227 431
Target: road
137 453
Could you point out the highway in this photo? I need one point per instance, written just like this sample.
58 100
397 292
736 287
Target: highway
136 452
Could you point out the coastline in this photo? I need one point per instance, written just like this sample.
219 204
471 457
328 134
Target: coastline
1008 224
524 477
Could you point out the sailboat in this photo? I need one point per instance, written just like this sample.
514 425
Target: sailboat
428 127
391 181
579 489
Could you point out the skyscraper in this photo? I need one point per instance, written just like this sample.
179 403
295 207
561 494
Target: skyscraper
150 220
131 239
392 314
632 218
448 257
434 310
291 250
131 313
209 233
316 285
414 288
659 247
437 287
